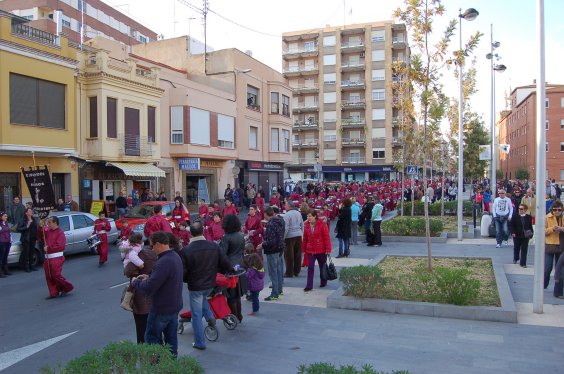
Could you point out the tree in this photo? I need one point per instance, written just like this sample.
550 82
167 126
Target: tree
425 71
521 174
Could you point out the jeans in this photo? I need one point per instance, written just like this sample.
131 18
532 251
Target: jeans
344 249
255 300
558 275
354 231
501 229
121 212
275 264
549 260
200 307
159 325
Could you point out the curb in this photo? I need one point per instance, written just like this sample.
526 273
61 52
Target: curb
506 313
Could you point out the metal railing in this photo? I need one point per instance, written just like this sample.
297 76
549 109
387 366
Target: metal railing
348 83
353 160
352 141
302 161
353 104
352 65
135 145
34 34
304 69
307 123
301 87
300 50
353 121
352 44
306 106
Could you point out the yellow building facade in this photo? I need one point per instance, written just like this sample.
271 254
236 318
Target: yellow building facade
37 108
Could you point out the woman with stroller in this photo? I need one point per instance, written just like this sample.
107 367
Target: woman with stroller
233 246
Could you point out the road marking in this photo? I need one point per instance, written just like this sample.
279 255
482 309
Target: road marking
10 358
119 285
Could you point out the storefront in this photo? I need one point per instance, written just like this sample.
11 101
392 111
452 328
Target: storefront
360 173
200 180
264 175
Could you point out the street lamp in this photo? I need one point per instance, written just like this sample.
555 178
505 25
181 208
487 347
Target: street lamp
494 68
469 14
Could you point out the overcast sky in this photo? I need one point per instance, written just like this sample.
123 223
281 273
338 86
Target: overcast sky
514 24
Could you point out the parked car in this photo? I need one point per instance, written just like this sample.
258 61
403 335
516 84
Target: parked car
138 215
78 227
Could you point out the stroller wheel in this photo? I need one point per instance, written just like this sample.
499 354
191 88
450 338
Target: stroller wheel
180 327
230 322
211 333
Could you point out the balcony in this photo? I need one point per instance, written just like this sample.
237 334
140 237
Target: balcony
395 122
36 35
354 160
353 104
354 46
303 107
303 88
306 125
300 52
135 145
396 142
309 143
352 66
302 161
300 71
398 42
351 85
352 122
353 142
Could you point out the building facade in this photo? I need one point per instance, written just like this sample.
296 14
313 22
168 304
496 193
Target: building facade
97 18
517 127
343 99
37 108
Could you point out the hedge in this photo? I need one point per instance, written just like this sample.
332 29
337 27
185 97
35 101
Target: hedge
410 226
451 208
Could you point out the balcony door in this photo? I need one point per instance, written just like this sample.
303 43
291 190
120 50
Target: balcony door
132 139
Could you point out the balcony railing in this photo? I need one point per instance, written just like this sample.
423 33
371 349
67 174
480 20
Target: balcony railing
135 145
353 141
305 69
352 65
355 44
306 87
353 104
294 51
36 35
303 161
306 124
398 40
353 121
310 142
304 107
353 160
348 83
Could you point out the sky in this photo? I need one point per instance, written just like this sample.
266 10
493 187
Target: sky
514 26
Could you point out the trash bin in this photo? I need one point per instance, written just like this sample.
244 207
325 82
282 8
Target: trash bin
485 225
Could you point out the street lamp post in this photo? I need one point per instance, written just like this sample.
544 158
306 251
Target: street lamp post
469 14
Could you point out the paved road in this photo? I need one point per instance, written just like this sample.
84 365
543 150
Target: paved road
297 329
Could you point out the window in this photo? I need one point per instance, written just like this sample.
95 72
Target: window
378 114
546 125
274 103
226 131
93 111
111 117
330 116
561 106
330 154
293 47
151 124
296 139
546 147
329 59
176 125
66 23
354 97
309 46
37 102
378 94
378 75
379 132
253 137
329 135
80 221
64 223
285 105
354 157
561 174
82 6
329 41
309 65
330 78
546 103
142 39
378 152
562 124
378 55
378 35
286 141
329 97
199 126
252 98
274 140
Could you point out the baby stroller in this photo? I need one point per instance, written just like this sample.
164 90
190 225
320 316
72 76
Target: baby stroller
218 306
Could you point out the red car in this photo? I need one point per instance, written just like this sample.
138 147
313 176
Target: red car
138 215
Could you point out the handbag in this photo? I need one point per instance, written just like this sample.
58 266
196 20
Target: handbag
528 234
552 249
330 270
126 301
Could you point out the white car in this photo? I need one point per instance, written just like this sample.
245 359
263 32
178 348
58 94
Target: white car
77 226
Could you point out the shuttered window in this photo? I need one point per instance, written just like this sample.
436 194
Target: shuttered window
112 117
36 102
93 116
151 123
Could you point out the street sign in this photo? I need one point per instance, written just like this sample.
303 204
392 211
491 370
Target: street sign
412 170
485 152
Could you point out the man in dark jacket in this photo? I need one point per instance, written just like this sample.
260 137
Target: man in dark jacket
202 259
164 286
273 247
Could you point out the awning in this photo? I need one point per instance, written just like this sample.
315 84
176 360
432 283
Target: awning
135 169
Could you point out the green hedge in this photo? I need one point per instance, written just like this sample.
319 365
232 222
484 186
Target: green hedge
411 226
128 358
362 281
326 368
451 208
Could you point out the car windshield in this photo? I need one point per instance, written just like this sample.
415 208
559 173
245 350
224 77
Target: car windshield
140 211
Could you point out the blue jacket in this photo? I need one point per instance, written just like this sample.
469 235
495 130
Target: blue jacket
355 208
164 285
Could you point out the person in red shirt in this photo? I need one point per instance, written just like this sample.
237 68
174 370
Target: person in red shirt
259 202
274 200
214 232
125 230
253 226
179 215
229 208
55 243
157 222
101 228
182 234
203 210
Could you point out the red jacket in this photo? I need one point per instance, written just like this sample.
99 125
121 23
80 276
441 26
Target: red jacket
101 225
125 232
230 210
183 236
179 215
55 240
156 223
317 240
214 231
203 211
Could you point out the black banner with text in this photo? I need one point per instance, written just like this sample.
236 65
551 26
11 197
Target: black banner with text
41 189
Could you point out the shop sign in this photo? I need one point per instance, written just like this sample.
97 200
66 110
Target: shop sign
257 165
41 189
210 164
189 163
96 207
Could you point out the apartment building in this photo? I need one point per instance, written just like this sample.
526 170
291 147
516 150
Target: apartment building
37 108
342 99
97 18
517 127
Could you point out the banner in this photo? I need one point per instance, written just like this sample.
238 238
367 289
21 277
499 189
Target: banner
39 185
485 153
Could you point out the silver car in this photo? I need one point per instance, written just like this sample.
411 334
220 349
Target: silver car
77 226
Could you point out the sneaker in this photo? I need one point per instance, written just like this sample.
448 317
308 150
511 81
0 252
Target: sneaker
198 347
271 298
505 243
498 245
